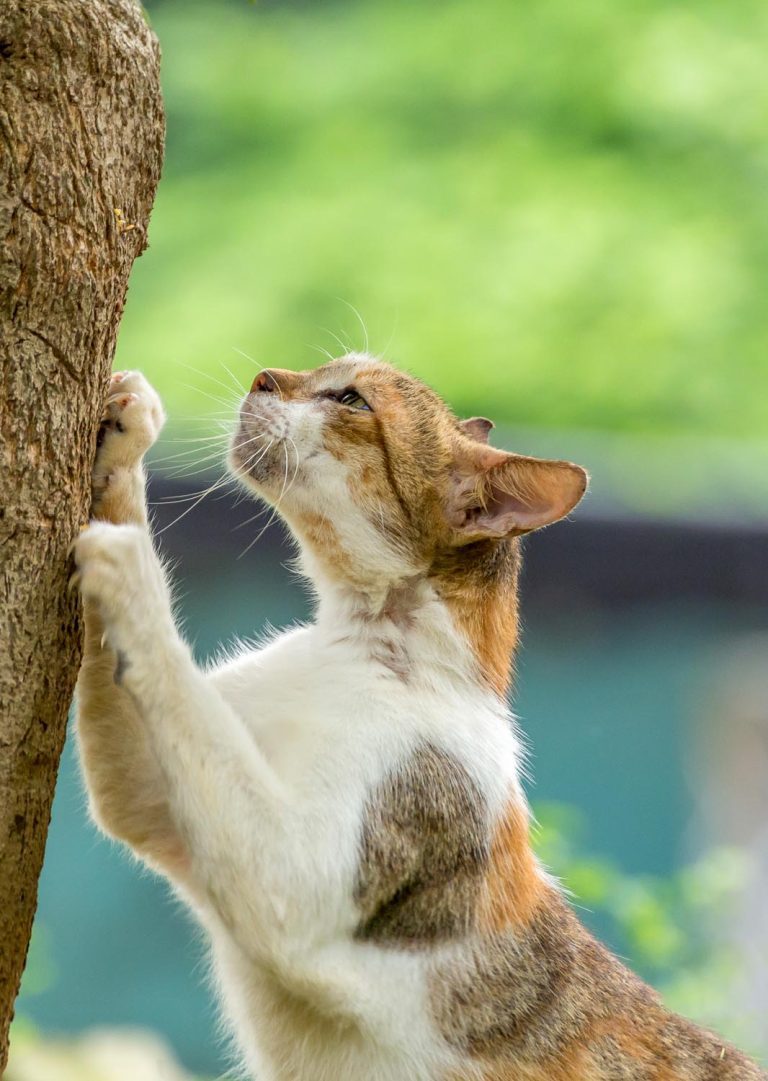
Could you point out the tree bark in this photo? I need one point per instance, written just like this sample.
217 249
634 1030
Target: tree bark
81 141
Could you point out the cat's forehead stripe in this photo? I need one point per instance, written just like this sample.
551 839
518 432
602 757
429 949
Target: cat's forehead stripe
335 378
340 373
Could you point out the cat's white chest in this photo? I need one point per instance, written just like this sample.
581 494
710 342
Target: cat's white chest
308 699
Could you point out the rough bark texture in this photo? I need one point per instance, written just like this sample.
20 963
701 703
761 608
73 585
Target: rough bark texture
81 137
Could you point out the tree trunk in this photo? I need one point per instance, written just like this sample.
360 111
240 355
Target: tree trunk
81 138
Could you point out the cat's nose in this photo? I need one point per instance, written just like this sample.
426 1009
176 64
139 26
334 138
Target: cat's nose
265 382
278 381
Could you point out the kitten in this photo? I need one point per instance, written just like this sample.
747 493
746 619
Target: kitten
342 809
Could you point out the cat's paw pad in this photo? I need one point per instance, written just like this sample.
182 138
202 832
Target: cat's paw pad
131 422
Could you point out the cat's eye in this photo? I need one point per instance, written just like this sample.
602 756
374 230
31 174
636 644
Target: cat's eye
354 400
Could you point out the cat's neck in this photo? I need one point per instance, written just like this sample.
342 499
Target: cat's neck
479 586
461 614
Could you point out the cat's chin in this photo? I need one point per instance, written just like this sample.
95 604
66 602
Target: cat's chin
262 478
244 469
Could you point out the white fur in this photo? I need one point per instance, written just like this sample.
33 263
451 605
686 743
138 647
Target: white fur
262 767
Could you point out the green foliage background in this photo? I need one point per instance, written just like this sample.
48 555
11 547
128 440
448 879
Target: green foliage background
669 930
559 209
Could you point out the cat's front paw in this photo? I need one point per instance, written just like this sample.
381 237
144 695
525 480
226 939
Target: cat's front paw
117 569
131 422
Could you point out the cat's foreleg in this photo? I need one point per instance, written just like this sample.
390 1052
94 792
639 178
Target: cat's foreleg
125 786
226 802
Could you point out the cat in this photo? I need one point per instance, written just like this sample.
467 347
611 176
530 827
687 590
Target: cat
342 809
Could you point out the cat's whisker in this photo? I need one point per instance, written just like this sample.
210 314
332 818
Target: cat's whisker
241 495
201 467
296 468
273 515
207 417
263 510
346 347
319 349
216 454
220 483
194 439
231 404
176 500
249 465
234 378
187 457
207 375
254 460
390 339
214 444
220 440
213 455
254 518
247 356
280 498
185 498
258 536
359 319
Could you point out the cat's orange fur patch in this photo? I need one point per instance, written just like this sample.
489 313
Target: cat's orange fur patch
491 628
318 531
513 884
578 1065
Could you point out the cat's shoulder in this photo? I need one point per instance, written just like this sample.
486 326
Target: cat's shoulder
244 656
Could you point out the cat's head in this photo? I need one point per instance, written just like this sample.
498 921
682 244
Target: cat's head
377 477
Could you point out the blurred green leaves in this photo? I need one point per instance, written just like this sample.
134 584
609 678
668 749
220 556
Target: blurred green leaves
675 932
559 209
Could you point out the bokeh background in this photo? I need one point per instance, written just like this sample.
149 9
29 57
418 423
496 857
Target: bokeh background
557 214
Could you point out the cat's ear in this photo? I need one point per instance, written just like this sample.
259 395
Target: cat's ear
503 495
477 428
